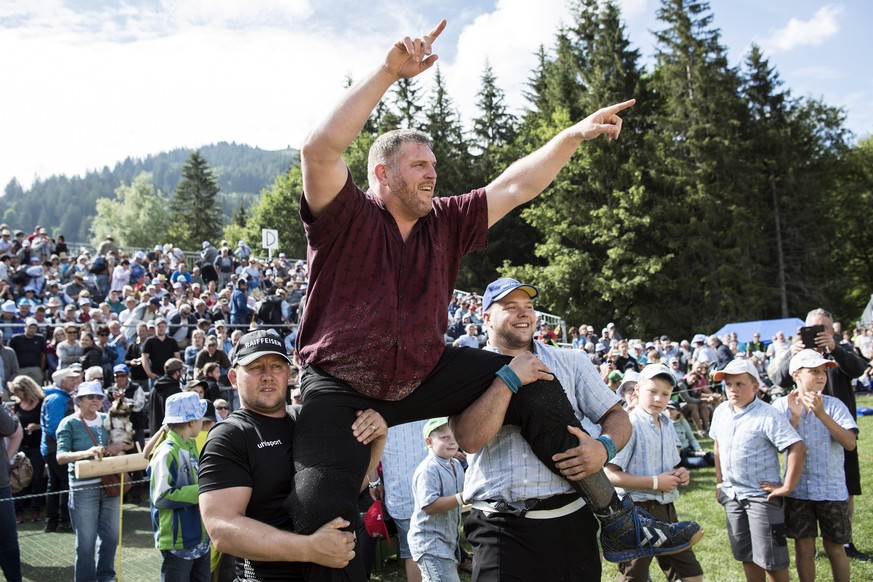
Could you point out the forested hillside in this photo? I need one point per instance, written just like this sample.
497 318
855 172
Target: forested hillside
68 205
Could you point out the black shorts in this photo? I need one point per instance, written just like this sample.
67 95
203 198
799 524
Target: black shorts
507 548
802 516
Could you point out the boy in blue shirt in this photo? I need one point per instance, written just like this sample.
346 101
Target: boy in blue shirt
436 487
827 429
644 469
173 471
748 435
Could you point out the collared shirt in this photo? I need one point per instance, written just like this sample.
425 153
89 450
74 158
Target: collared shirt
823 477
404 451
506 468
650 451
375 309
435 535
468 341
749 441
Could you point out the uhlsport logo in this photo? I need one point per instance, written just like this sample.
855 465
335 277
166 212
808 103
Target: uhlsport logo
274 443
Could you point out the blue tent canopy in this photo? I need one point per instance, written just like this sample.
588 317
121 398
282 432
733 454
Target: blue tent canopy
766 327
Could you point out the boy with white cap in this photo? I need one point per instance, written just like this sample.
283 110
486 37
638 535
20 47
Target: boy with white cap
827 429
644 470
748 436
173 470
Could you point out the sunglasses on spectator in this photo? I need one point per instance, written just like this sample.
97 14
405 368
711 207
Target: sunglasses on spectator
92 397
221 408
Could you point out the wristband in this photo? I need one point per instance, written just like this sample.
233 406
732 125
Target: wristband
374 484
459 499
654 482
513 382
609 445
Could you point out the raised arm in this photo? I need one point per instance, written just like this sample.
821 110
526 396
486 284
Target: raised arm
526 178
324 171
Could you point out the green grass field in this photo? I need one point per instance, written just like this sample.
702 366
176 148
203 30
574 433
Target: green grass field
49 557
698 502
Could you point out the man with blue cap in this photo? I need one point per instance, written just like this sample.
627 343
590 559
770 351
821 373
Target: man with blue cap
526 517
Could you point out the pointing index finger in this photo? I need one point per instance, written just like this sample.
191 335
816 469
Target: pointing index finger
612 109
433 34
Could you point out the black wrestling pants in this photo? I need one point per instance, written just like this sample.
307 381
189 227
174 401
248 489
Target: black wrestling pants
330 463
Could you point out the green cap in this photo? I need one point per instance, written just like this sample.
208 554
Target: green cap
433 424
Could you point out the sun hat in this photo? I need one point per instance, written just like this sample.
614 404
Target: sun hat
183 407
89 388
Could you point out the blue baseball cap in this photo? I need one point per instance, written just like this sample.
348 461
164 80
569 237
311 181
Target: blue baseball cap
500 288
121 369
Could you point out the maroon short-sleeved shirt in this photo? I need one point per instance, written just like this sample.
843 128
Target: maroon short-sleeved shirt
376 307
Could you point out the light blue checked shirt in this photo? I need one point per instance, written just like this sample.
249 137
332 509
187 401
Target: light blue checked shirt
506 468
435 535
823 477
404 451
650 451
749 441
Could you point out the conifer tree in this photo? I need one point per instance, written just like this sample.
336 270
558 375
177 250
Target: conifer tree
196 211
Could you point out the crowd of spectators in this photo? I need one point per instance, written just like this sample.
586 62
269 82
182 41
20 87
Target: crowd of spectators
140 320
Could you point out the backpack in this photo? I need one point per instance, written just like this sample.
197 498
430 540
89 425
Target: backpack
98 266
267 311
19 275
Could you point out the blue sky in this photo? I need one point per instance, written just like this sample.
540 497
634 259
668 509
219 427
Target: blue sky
89 82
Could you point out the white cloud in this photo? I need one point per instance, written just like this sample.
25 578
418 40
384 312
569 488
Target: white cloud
813 32
508 38
75 101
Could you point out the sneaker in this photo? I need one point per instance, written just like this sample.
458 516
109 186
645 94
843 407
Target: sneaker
19 517
856 554
50 528
34 515
631 533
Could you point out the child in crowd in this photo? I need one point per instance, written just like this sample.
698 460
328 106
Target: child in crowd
626 390
827 428
692 454
179 531
436 520
644 469
749 434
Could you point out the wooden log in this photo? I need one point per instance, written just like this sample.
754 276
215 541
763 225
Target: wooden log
110 465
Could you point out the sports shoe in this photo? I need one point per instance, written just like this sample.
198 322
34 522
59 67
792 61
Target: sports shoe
856 554
631 533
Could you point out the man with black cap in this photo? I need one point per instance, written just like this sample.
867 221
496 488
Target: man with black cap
247 469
